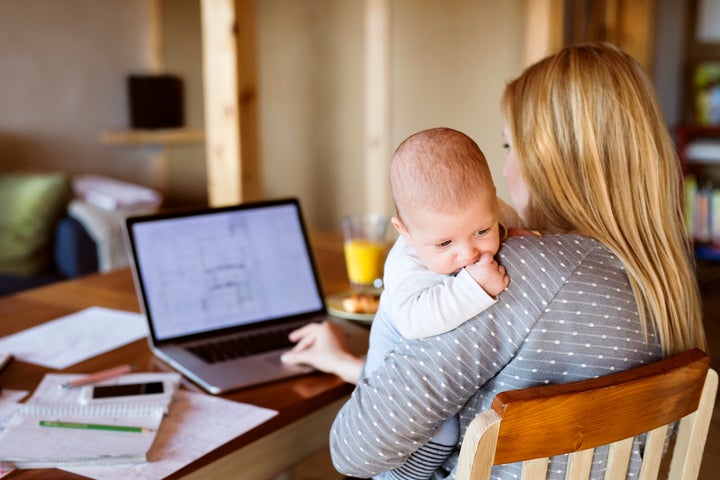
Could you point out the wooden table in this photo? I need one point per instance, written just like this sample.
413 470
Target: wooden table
306 405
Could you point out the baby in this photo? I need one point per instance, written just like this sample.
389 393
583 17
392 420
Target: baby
441 271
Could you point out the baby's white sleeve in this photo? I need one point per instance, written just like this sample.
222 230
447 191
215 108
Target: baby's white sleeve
422 303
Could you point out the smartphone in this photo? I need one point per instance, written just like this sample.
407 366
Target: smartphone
128 389
155 390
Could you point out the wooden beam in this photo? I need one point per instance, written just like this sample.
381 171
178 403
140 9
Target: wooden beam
377 106
156 63
636 30
543 28
230 76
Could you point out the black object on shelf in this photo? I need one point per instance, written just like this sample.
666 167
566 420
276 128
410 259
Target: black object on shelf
156 101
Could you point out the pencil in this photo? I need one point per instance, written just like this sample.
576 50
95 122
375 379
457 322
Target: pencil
100 376
93 426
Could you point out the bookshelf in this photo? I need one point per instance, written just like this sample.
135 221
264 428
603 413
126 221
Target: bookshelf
699 151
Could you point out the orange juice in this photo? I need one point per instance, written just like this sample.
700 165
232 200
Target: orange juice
364 259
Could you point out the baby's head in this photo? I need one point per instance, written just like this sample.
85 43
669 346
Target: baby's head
445 199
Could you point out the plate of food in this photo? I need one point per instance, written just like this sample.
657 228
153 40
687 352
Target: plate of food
353 305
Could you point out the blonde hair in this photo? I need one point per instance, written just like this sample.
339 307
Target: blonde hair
440 169
598 160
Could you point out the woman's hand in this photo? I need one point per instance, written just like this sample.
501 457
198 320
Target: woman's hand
324 347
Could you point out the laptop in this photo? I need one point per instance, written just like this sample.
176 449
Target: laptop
222 287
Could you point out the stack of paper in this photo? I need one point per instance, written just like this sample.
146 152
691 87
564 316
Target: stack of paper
56 427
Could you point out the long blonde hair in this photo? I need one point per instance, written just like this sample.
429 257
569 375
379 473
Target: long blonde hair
598 160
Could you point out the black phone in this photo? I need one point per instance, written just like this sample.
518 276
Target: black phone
128 389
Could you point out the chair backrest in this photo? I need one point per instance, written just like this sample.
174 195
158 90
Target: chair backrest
530 425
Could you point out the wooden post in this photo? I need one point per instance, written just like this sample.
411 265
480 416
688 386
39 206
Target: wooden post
636 30
155 38
629 24
377 105
543 27
230 76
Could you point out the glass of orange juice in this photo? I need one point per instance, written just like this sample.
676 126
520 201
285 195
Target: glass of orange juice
365 245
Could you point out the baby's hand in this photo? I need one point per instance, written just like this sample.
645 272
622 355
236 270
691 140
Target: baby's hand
489 274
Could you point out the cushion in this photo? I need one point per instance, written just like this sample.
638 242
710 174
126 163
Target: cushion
75 250
30 206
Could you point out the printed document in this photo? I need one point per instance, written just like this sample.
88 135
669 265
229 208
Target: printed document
75 337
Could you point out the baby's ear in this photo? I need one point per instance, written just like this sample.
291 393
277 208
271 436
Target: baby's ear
399 226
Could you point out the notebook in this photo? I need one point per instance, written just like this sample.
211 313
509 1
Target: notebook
238 278
57 428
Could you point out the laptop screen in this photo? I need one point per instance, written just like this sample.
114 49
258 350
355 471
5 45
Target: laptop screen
223 268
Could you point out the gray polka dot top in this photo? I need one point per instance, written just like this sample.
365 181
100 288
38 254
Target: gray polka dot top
568 314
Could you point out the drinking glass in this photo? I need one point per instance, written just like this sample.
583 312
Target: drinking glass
365 245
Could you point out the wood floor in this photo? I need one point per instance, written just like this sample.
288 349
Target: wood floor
320 467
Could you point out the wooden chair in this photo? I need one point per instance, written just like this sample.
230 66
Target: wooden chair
530 425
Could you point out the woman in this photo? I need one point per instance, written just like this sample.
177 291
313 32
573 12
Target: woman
608 286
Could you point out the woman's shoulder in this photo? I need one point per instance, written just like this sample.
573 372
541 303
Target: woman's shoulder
566 242
561 251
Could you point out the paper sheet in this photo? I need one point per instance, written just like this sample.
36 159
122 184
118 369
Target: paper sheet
75 337
8 406
197 424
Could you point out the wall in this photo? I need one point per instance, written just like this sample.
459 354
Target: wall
450 62
311 104
63 65
182 56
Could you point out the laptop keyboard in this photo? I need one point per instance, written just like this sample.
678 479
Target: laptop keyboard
243 346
